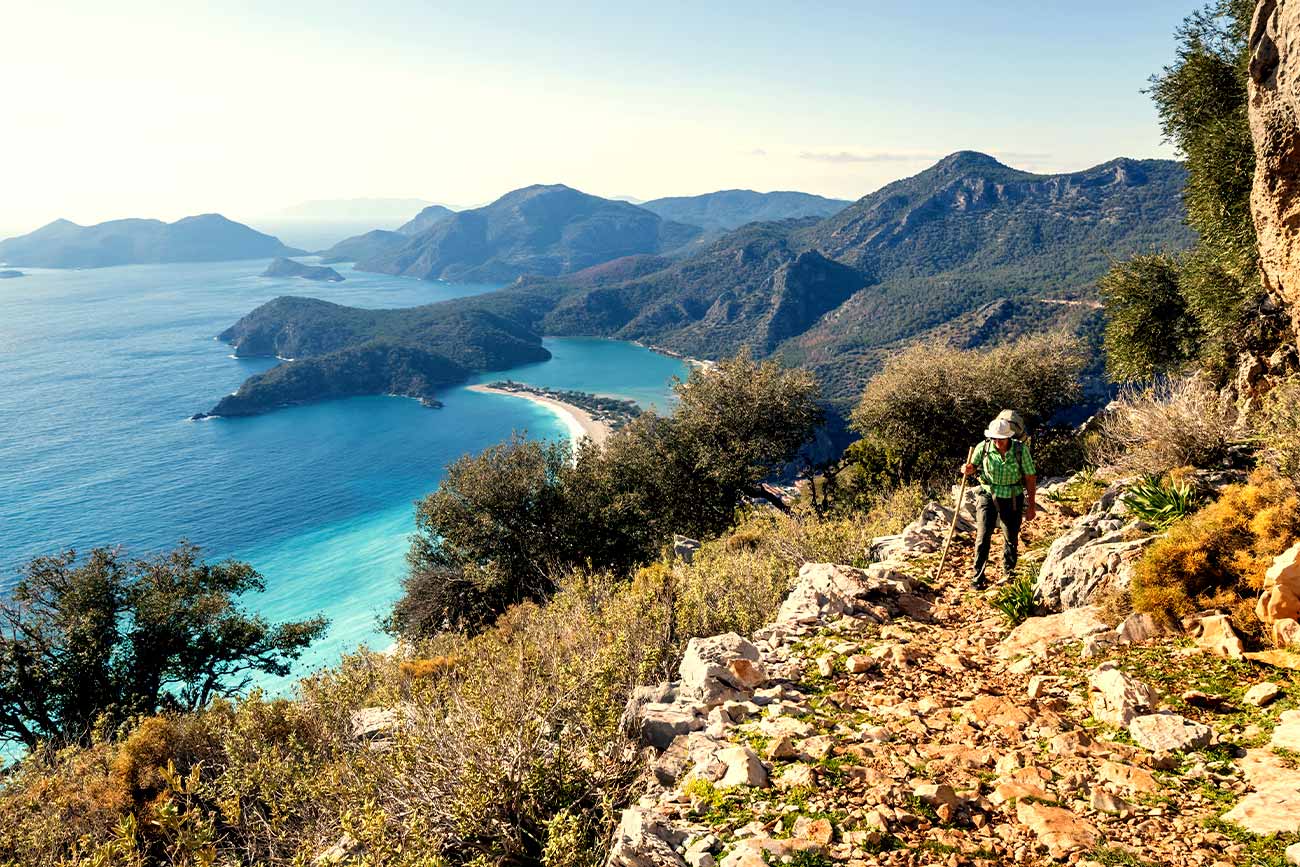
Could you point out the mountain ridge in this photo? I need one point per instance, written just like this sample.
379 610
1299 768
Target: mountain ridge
135 241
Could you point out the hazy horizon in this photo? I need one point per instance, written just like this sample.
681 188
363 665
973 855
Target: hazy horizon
142 111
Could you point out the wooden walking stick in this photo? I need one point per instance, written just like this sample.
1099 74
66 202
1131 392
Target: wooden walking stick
956 513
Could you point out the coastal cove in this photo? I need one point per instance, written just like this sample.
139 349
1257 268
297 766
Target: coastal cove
100 370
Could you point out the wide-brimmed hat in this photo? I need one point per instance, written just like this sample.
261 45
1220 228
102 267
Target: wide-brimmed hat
1000 429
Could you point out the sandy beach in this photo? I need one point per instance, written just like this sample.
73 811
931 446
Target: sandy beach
579 421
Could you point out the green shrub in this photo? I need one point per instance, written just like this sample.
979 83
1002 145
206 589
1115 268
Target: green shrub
920 414
1160 502
1149 330
1217 557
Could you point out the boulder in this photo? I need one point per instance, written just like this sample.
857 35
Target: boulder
1116 698
1286 632
708 674
645 839
1166 732
1261 694
658 724
1035 634
743 767
1280 597
1214 634
824 591
1096 554
1137 628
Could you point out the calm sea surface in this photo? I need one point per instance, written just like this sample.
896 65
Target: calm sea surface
100 370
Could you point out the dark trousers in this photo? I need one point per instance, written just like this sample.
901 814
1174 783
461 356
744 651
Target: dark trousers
997 511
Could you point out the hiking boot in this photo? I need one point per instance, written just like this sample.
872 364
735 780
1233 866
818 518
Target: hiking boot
979 582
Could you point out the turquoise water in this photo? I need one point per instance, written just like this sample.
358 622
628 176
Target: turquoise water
100 370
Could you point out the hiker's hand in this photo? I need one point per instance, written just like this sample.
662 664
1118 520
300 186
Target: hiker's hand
1031 511
968 469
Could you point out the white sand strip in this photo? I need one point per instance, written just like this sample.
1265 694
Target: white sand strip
579 422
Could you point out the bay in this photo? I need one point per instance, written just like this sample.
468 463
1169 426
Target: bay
100 370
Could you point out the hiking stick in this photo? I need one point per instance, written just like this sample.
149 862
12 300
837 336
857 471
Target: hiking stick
956 513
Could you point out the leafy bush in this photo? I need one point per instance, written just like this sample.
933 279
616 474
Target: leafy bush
92 643
1217 557
1177 422
1160 502
1149 330
918 416
505 521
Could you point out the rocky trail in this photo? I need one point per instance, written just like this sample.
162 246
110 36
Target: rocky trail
892 717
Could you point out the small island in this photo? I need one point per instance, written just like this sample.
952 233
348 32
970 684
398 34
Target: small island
282 267
10 274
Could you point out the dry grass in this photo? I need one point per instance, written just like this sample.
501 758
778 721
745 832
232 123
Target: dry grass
1176 422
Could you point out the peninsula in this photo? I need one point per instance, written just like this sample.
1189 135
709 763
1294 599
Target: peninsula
586 414
9 274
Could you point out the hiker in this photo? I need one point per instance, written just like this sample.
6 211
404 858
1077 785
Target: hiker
1007 491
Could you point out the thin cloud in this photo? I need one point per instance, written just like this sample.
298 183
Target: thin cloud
864 157
758 152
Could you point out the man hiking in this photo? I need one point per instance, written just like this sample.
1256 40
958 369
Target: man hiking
1007 492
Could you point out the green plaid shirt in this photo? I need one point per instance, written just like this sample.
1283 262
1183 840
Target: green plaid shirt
1002 476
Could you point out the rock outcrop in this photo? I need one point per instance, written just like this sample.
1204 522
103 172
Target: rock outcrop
1274 90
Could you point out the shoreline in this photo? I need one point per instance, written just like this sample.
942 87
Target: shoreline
580 422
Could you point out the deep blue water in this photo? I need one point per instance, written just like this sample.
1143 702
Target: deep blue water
100 370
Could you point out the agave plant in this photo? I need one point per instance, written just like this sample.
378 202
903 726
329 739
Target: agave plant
1160 503
1016 600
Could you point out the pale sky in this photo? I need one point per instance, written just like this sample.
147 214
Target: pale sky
168 109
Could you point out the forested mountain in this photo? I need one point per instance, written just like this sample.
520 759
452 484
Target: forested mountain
731 209
204 238
545 230
969 251
376 242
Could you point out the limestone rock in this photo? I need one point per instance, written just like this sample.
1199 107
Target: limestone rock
707 672
1280 597
743 767
1293 854
1036 633
761 851
658 724
1166 732
684 548
1128 777
1286 632
1214 634
1287 733
826 590
1137 628
1058 829
1262 693
1116 698
1274 101
645 839
1097 553
1274 808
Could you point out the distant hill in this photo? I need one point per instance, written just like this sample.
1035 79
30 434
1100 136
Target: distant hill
205 238
969 252
377 242
731 209
425 220
546 230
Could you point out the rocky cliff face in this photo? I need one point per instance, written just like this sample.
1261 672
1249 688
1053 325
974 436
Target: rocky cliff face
1274 124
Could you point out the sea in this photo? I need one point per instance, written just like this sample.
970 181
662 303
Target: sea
101 369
